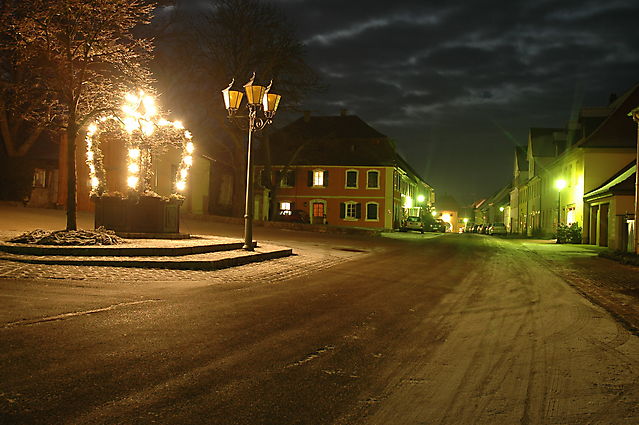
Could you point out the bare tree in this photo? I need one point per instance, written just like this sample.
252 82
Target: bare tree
230 39
24 110
84 56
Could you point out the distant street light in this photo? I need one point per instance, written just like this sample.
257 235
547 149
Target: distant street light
420 198
259 100
560 184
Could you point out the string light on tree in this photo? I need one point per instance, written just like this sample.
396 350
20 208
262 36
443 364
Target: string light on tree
143 128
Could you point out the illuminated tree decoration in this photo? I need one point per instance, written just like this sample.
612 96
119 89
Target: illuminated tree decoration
145 134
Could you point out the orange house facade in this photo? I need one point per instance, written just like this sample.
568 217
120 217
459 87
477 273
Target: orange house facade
358 180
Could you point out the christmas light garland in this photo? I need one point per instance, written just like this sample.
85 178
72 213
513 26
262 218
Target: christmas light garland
144 128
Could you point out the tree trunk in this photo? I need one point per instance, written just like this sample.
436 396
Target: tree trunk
72 223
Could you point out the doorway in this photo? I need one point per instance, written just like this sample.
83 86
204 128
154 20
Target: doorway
318 212
603 224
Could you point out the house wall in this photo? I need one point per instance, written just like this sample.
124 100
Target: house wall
336 192
607 221
583 170
196 195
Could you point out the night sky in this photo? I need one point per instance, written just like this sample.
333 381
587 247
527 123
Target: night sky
458 84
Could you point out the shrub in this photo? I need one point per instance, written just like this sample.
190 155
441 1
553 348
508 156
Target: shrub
568 234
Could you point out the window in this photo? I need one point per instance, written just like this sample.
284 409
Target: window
317 178
350 210
39 177
351 179
372 211
285 206
372 182
570 215
287 179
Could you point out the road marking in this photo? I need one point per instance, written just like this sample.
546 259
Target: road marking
74 314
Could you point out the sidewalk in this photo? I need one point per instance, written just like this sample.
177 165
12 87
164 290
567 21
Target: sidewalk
605 282
201 252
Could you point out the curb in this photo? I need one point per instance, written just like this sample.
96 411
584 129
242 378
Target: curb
181 264
117 250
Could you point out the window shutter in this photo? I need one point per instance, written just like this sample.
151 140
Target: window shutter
342 210
325 178
310 178
358 210
291 178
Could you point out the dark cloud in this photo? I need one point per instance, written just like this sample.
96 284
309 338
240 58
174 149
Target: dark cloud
458 84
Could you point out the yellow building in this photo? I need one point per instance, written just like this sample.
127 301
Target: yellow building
592 149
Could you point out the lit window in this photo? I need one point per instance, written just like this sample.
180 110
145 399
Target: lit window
285 205
39 177
372 181
318 178
570 215
351 179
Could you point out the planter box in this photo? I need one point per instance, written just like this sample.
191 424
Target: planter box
147 215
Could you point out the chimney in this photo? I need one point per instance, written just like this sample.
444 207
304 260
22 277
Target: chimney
307 116
612 98
343 112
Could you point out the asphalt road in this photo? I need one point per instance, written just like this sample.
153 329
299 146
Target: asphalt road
453 329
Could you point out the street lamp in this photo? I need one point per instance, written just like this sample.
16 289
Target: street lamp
261 106
560 184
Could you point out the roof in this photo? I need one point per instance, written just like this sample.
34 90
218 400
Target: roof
333 140
500 197
547 141
520 157
622 183
617 130
401 163
333 128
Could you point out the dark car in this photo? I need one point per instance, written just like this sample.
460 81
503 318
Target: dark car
434 225
293 216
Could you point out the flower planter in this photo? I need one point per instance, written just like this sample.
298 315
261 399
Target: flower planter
144 215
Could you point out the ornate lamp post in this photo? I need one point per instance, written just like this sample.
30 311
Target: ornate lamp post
261 106
560 184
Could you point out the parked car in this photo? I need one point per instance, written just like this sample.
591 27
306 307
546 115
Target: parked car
497 229
434 225
293 216
412 223
483 229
